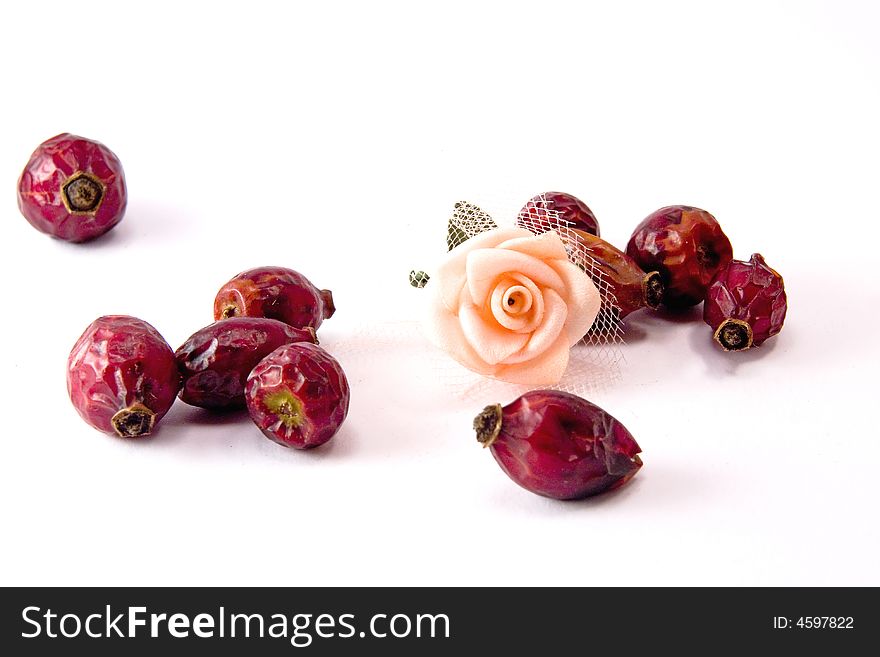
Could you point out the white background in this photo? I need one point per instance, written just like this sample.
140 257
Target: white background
334 138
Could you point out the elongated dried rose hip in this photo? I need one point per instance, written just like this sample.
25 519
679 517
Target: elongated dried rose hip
298 396
72 188
745 304
216 360
121 376
559 445
633 288
686 245
277 293
574 213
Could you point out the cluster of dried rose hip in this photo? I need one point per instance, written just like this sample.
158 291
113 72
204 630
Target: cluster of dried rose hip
261 353
677 256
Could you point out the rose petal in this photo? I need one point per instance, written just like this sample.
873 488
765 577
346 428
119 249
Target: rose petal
581 296
516 300
485 266
443 329
536 314
491 342
546 369
508 321
450 275
555 314
546 246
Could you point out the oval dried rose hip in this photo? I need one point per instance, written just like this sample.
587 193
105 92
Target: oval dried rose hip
745 304
216 360
686 245
559 445
121 376
632 287
298 396
277 293
72 188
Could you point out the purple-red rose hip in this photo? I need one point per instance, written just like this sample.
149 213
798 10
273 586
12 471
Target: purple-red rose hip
277 293
687 246
573 211
72 188
745 304
298 396
121 376
216 360
558 445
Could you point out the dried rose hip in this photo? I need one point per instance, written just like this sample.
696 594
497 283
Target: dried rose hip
215 361
298 395
632 288
745 304
72 188
121 376
686 245
559 445
571 209
276 293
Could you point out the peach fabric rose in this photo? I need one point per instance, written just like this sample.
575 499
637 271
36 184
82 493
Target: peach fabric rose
509 304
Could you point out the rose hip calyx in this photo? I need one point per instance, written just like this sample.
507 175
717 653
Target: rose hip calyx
652 289
488 424
82 193
734 335
133 421
286 406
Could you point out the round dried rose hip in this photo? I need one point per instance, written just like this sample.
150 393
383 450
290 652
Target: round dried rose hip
72 188
121 376
745 304
298 396
686 245
216 360
558 445
537 212
277 293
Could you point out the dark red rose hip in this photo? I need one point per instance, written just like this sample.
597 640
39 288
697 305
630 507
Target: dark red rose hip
571 209
745 304
72 188
276 293
633 288
121 376
215 361
687 246
558 445
298 396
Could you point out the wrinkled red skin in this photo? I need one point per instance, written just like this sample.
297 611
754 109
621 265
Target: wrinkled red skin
119 363
215 361
558 445
277 293
56 162
687 246
316 384
750 292
570 208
